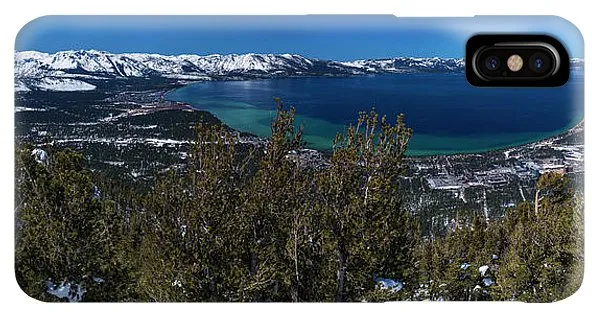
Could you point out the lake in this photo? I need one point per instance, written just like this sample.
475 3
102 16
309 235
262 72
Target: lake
446 113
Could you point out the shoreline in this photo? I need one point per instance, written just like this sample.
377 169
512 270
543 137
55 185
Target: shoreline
565 132
561 133
411 154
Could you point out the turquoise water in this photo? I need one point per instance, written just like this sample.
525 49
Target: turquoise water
446 114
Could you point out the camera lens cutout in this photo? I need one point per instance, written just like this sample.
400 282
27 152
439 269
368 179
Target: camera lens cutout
539 62
516 60
492 63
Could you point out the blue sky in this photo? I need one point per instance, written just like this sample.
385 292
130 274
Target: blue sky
326 37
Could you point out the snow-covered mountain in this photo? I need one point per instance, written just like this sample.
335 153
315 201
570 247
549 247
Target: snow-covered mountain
92 63
409 64
75 70
577 64
72 68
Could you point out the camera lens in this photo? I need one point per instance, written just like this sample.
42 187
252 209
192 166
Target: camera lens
539 62
492 63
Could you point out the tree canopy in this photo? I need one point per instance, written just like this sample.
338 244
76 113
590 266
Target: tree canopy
263 225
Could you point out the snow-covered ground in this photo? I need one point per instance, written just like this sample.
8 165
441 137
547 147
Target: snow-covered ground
72 292
389 284
26 109
62 84
20 86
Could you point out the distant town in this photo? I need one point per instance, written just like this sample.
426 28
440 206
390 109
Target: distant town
492 181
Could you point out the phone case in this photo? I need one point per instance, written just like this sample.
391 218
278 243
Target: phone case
291 158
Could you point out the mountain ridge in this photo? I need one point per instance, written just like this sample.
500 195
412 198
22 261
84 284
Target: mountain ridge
73 67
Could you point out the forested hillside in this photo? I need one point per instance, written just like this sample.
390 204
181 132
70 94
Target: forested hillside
264 225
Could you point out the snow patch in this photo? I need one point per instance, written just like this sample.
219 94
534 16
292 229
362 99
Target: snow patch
98 280
488 282
20 86
63 84
26 109
40 155
389 284
115 163
72 292
483 270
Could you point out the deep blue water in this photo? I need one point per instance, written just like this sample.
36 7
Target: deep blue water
446 114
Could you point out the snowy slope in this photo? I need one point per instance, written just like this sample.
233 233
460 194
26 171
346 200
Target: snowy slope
410 64
72 70
31 64
62 84
20 86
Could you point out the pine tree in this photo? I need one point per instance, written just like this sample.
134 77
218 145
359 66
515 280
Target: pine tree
274 216
367 232
191 250
543 261
66 232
